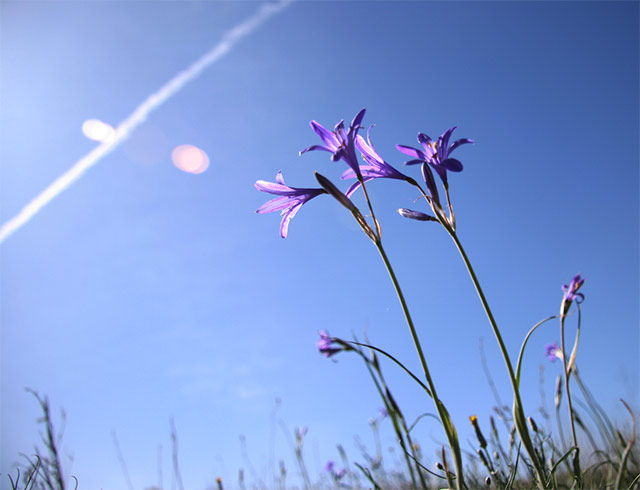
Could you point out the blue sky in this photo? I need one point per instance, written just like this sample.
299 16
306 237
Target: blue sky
143 293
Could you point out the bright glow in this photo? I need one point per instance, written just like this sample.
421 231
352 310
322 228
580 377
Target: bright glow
140 114
96 130
189 158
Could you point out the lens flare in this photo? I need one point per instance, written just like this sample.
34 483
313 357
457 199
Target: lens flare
96 130
140 114
189 158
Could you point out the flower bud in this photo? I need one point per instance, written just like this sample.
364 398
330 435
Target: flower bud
558 395
479 435
417 215
328 186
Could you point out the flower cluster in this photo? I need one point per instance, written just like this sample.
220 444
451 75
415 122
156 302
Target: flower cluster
344 144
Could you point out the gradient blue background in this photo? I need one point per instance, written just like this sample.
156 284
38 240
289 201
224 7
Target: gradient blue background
144 293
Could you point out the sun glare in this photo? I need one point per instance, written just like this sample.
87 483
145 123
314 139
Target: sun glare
96 130
189 158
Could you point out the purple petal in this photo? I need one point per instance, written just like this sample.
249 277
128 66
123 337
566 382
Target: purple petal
441 171
280 178
316 147
328 137
358 119
452 164
459 142
276 204
348 174
288 216
413 162
443 143
367 151
369 137
412 152
355 185
424 139
271 188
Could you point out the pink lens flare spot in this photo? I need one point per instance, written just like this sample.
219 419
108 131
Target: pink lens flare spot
190 159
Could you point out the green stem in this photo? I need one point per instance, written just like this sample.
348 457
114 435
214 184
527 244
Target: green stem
373 215
518 412
576 458
444 417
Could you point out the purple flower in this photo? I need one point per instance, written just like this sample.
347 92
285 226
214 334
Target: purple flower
339 142
552 351
375 168
571 291
436 153
329 466
289 203
326 344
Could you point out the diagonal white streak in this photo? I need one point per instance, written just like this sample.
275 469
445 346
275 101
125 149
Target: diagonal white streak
140 114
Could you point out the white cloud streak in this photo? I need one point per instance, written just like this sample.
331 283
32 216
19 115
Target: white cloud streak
140 114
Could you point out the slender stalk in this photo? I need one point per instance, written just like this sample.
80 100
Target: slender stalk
373 215
452 438
518 412
447 424
576 458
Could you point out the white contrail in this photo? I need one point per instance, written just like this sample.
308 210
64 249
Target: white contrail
138 116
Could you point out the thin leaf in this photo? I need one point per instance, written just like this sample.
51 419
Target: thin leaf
627 449
367 474
524 344
557 463
415 378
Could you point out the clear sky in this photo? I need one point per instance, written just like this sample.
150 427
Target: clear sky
144 293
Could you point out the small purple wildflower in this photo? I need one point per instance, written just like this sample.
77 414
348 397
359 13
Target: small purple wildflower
571 291
375 167
289 203
339 142
329 466
436 153
340 473
326 344
552 351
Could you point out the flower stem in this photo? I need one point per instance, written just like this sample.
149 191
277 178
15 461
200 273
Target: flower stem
373 215
577 473
518 412
444 416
